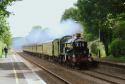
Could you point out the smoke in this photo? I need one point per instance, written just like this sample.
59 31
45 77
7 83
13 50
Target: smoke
17 43
67 27
40 35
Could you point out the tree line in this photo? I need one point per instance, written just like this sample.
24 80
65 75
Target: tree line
5 35
103 20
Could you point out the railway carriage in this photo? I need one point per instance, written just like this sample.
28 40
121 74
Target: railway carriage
39 48
34 48
66 50
27 48
56 47
48 50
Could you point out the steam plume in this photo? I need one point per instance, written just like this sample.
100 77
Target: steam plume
40 35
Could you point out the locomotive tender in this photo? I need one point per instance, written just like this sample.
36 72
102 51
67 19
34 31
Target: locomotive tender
68 49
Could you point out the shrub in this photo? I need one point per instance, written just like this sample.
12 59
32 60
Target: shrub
119 30
89 37
117 47
94 48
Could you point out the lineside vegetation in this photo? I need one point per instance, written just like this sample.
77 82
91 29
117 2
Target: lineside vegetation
103 20
5 35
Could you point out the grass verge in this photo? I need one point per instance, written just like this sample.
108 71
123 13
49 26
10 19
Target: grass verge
116 59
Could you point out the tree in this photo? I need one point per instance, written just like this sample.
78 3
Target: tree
119 30
5 35
95 15
71 13
98 17
117 47
3 7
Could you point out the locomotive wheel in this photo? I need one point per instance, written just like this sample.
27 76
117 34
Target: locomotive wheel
73 65
84 65
94 64
67 63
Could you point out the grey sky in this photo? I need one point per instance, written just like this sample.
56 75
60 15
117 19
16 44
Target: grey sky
29 13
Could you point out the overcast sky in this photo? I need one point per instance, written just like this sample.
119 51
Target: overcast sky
29 13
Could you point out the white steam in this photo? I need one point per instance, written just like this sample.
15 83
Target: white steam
68 27
39 35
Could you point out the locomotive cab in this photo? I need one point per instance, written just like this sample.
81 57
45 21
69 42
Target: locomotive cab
76 46
80 47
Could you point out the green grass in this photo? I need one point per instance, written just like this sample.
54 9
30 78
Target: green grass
116 59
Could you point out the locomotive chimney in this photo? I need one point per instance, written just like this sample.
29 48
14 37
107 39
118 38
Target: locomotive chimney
78 35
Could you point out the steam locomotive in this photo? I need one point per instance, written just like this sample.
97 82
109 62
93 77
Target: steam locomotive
70 50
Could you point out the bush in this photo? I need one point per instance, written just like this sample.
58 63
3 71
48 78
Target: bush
89 37
94 48
117 47
119 30
1 47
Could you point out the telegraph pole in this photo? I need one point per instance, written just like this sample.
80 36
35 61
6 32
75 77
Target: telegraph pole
99 55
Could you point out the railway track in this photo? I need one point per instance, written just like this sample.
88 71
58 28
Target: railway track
105 77
100 75
118 77
110 79
119 65
48 71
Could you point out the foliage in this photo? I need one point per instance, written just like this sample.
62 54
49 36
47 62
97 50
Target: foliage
7 38
0 48
116 59
117 47
99 17
5 35
37 27
3 7
2 45
95 14
96 46
119 30
89 37
71 13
